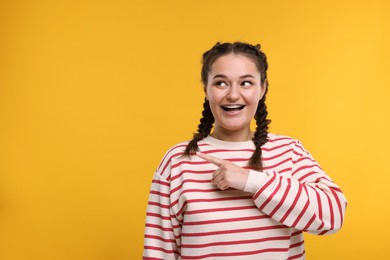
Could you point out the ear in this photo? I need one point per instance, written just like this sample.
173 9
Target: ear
205 92
263 88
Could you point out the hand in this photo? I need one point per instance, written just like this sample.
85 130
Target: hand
228 174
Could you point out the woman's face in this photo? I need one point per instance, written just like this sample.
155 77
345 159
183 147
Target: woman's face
233 90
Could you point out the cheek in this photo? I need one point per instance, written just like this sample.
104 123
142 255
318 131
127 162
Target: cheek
254 97
214 96
214 105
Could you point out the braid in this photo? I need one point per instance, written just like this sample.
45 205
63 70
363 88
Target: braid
260 137
204 129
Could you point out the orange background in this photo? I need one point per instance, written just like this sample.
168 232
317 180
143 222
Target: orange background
92 94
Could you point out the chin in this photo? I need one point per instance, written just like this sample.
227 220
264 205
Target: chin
235 128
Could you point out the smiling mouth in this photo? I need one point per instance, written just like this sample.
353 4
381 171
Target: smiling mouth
232 107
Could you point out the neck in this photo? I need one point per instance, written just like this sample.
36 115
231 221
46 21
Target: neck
232 136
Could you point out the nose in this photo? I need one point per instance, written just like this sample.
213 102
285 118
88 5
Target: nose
233 93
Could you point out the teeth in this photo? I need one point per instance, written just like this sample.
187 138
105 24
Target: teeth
232 107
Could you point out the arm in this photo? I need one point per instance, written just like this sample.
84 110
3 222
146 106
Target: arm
308 200
162 230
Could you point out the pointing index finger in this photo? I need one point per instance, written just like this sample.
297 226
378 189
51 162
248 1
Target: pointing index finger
214 160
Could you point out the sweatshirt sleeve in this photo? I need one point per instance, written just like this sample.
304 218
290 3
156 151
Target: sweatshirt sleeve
162 230
306 200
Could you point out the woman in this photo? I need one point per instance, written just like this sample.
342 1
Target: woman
230 193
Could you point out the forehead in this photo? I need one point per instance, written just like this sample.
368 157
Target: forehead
234 64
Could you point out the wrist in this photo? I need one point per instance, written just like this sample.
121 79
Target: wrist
254 181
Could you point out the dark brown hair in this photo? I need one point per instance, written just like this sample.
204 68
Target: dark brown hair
206 122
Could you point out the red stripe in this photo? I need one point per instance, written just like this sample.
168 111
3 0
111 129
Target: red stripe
318 180
283 152
305 158
302 179
232 160
236 242
169 162
276 147
158 227
319 203
301 214
323 232
160 238
331 212
277 164
305 167
159 193
283 198
152 203
296 233
191 171
188 162
338 205
189 181
160 182
227 150
277 155
299 146
304 208
279 139
173 155
310 222
293 204
264 187
169 151
183 207
336 189
158 216
285 170
161 249
235 159
271 196
331 215
211 200
269 250
297 256
193 212
298 154
219 199
198 190
227 220
296 244
233 231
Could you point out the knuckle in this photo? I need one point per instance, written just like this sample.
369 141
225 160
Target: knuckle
224 167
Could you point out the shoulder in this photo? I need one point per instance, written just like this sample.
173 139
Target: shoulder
172 153
276 141
176 151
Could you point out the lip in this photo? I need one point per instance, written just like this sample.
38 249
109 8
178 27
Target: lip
232 107
234 111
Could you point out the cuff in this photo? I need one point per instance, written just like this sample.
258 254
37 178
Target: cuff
254 181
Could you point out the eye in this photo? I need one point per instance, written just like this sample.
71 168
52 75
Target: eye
246 83
221 84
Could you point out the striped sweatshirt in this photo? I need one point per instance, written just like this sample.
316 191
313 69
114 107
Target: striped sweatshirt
188 217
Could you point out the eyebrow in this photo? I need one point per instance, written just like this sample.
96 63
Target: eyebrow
225 77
